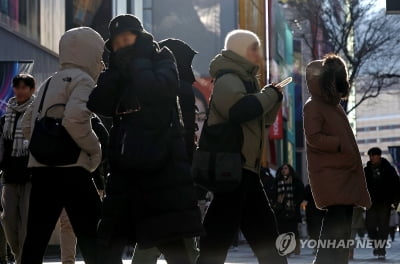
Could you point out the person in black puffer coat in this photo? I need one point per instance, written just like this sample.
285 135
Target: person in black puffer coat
384 188
150 197
184 55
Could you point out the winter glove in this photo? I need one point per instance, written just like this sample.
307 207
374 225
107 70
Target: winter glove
270 86
123 58
144 47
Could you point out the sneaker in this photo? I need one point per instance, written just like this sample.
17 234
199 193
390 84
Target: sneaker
381 257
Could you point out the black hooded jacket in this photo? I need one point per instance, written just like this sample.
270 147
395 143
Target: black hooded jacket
383 184
139 91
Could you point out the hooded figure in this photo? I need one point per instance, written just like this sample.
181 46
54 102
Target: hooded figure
150 198
80 58
70 186
334 162
184 55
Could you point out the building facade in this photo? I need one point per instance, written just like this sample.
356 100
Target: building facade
378 124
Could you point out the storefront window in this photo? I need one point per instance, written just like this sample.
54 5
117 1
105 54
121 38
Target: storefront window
22 16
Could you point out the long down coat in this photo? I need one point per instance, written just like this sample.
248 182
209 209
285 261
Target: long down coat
334 163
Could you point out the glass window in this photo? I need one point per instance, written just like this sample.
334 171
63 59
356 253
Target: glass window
148 19
91 13
22 16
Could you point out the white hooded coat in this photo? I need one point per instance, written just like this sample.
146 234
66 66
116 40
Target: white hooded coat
80 58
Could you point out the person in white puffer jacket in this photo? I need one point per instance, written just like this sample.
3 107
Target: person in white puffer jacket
71 186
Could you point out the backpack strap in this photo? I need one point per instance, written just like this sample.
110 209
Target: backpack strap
249 85
43 96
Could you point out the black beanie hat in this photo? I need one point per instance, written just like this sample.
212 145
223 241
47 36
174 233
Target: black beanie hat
123 23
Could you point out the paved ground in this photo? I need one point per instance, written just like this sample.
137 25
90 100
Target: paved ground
244 255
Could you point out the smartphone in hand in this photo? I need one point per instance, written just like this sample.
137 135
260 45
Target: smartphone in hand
284 82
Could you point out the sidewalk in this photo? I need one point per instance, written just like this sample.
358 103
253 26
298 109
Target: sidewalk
244 255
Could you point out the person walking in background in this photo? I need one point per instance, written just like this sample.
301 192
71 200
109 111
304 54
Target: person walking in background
16 177
247 207
150 197
334 163
289 195
383 186
69 186
314 216
357 227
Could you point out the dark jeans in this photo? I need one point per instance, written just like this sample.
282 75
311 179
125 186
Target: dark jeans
247 208
52 190
336 226
377 222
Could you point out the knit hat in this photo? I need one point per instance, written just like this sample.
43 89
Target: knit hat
123 23
240 40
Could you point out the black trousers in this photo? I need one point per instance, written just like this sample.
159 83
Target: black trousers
288 225
377 222
117 228
336 226
247 208
52 190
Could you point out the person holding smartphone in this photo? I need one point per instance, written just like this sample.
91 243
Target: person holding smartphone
238 98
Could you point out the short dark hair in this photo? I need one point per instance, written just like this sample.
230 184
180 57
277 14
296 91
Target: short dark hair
26 78
375 151
334 77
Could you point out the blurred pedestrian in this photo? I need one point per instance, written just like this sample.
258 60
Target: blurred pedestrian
150 197
70 186
237 98
289 196
16 176
383 186
357 226
334 163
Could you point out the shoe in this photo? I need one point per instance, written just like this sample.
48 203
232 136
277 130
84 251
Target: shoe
381 257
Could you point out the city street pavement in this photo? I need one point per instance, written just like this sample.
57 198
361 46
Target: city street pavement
244 255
